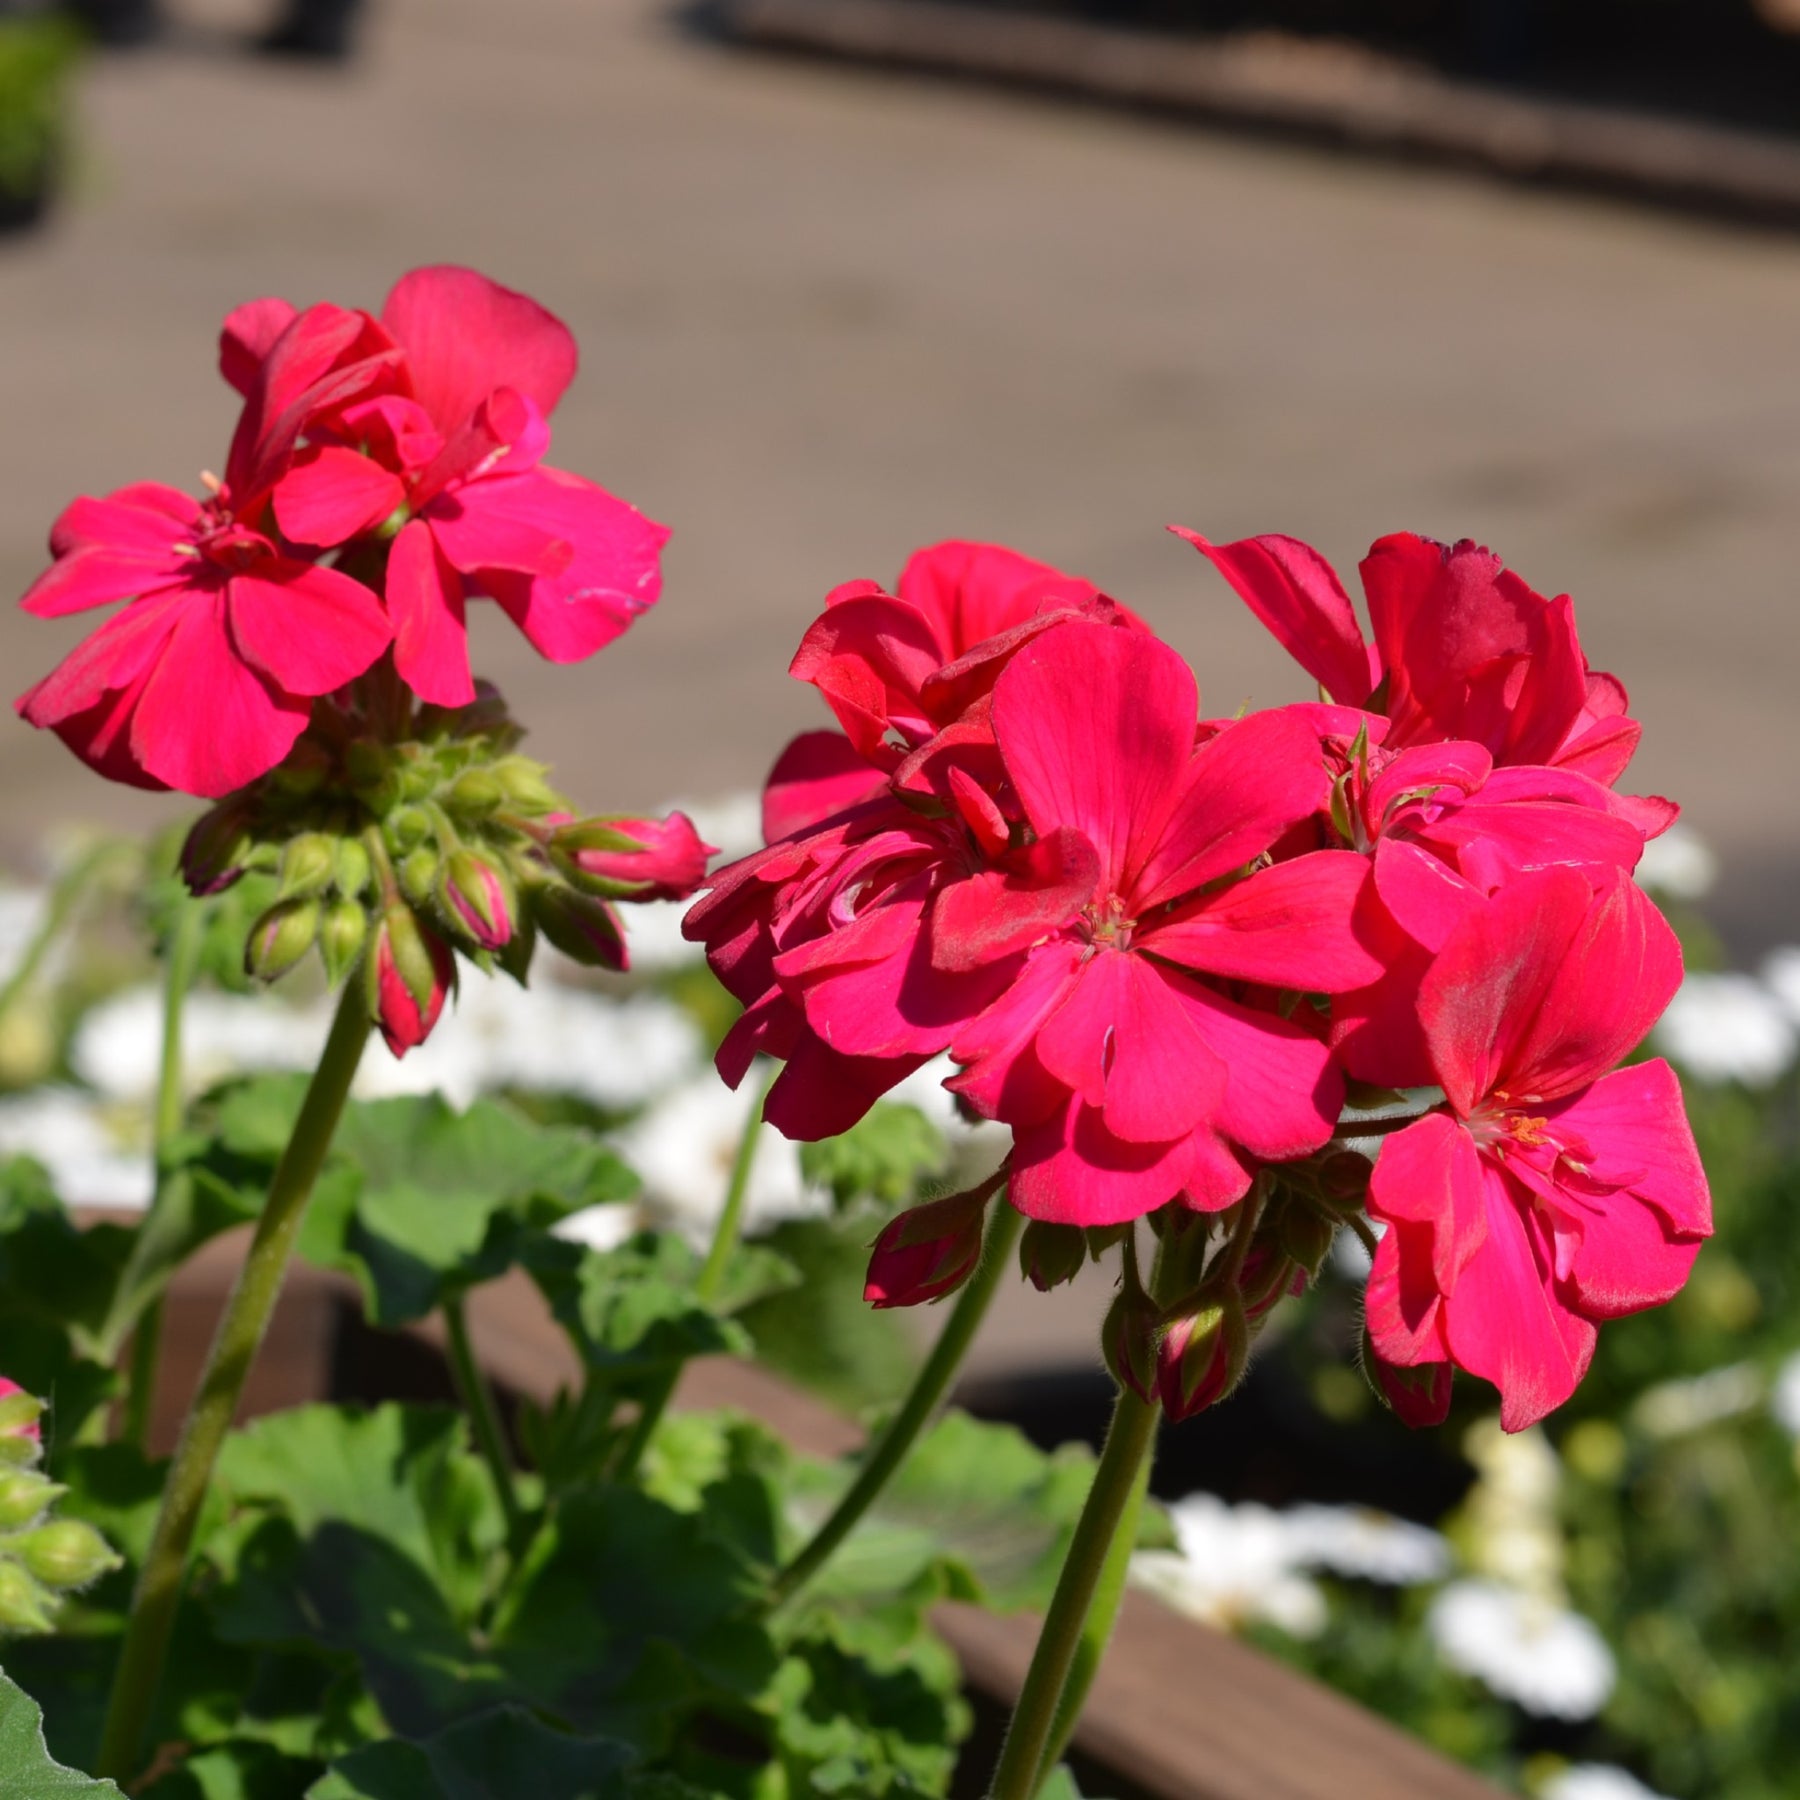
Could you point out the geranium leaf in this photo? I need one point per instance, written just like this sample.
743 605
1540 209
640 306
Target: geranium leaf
26 1771
234 1771
884 1156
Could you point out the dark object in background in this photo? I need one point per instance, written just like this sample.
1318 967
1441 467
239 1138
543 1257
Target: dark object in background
323 30
38 51
117 24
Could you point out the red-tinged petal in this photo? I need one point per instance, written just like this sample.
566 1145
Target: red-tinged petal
116 657
1425 897
972 592
101 737
1290 926
1603 739
99 577
465 335
1375 1032
1493 842
308 629
1427 769
999 912
817 775
145 518
425 601
1123 1041
1296 593
247 337
1283 1093
1002 1077
1429 1177
822 1093
1070 1170
1241 791
1096 726
869 657
1402 1302
478 534
1419 1395
331 495
1635 1125
614 575
986 823
207 723
1506 1324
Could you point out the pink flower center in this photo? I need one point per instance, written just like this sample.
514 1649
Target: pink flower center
1107 924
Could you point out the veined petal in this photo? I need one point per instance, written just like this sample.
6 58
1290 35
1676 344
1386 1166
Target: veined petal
1429 1176
1402 1301
972 592
308 629
113 659
1002 1077
869 656
425 601
1070 1170
247 337
821 1092
999 912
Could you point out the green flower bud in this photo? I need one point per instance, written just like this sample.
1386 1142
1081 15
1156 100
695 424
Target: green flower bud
66 1553
303 771
342 934
372 775
21 1435
354 869
476 900
1050 1254
1306 1236
524 784
1128 1339
583 928
280 938
24 1495
26 1610
419 874
308 864
406 829
474 794
1204 1355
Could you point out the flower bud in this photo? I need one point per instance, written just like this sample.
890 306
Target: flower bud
633 859
354 870
1128 1340
406 828
582 926
419 874
927 1251
21 1429
25 1608
66 1553
303 771
24 1494
308 863
1306 1236
524 786
476 899
279 939
342 934
1203 1355
408 972
1050 1254
1268 1275
1417 1394
213 853
474 794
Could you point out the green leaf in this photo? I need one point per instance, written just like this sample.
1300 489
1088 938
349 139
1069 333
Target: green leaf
43 1360
884 1156
448 1200
26 1771
50 1270
1060 1785
501 1755
234 1771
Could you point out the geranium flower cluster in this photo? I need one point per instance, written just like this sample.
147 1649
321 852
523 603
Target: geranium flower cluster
1169 950
294 644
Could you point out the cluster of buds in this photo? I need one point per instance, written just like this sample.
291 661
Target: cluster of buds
390 857
41 1558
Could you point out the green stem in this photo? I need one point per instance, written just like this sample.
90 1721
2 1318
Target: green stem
478 1402
146 1344
65 896
706 1284
923 1399
234 1349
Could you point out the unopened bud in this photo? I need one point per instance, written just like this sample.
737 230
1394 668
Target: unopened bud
633 859
66 1553
354 870
474 794
419 874
303 771
280 938
1418 1394
26 1609
342 933
21 1427
582 926
408 972
476 900
1203 1355
525 786
308 863
927 1251
213 853
1306 1236
1050 1254
407 827
24 1494
1128 1340
373 776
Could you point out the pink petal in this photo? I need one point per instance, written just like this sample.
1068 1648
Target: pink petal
818 775
247 337
1429 1177
1241 791
1096 727
1429 769
1402 1302
119 548
1296 593
972 592
331 495
145 518
1070 1170
1426 898
114 658
1291 926
821 1093
1002 1077
308 629
465 335
999 912
425 601
869 656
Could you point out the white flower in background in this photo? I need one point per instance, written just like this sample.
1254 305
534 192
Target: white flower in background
91 1162
118 1048
684 1147
1234 1565
1547 1659
1596 1781
1784 1396
1512 1529
653 936
1678 865
1781 975
21 915
1367 1545
1727 1028
1674 1408
732 823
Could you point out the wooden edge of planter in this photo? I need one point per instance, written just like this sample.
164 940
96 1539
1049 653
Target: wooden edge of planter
1183 1710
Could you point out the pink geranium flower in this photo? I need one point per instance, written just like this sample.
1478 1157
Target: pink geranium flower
1547 1195
206 679
454 449
1462 649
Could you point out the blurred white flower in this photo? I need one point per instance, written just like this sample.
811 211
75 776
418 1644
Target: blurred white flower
118 1048
21 915
1727 1028
1596 1781
1784 1396
1674 1408
1781 975
732 823
1679 864
1234 1565
653 936
599 1227
1547 1659
1369 1545
684 1147
91 1162
1512 1531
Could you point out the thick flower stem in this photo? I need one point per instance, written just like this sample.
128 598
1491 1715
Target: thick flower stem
484 1417
234 1349
146 1337
707 1284
922 1401
1111 1502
